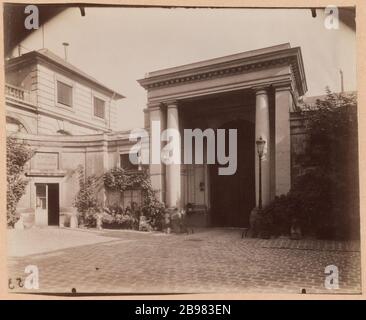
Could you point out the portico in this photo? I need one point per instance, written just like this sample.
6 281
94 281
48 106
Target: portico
252 92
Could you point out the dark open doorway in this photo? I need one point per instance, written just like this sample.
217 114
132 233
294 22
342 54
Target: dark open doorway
53 204
233 196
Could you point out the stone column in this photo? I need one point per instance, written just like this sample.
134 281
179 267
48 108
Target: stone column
262 129
283 104
156 120
173 174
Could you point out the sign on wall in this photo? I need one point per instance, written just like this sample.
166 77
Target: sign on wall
45 161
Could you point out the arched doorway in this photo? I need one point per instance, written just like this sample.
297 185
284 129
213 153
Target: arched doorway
233 196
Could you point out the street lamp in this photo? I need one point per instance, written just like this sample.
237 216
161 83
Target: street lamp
260 150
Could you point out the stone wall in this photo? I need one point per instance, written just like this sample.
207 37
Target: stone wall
57 159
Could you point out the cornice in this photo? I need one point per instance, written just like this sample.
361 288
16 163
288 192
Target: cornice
291 57
35 57
20 103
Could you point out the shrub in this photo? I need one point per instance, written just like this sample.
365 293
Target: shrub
86 200
17 155
324 200
118 179
116 217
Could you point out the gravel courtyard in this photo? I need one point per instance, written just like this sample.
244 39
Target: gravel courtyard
208 261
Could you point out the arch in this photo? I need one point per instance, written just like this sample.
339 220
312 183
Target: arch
13 124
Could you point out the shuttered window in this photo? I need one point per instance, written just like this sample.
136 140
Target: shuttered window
64 94
99 108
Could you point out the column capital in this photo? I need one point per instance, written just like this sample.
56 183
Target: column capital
262 89
171 103
151 106
282 87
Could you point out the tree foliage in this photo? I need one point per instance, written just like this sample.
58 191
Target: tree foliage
333 156
17 155
86 200
325 198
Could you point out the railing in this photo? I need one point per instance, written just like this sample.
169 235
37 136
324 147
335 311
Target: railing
18 93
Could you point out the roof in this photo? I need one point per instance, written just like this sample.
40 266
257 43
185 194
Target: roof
258 57
209 62
49 56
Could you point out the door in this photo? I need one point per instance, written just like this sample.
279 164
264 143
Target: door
53 204
233 196
41 215
47 204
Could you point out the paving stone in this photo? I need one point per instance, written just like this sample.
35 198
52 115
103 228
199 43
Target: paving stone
136 262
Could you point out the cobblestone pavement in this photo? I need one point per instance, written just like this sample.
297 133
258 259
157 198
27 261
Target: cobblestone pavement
208 261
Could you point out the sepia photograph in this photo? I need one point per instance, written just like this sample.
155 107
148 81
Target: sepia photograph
155 150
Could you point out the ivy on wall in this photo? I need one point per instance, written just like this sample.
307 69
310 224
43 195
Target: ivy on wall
86 200
120 180
323 200
17 155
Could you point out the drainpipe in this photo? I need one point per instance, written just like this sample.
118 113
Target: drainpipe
110 107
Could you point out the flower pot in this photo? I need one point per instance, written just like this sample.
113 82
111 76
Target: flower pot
62 220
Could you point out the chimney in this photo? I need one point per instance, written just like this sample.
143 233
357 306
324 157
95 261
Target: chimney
65 44
342 85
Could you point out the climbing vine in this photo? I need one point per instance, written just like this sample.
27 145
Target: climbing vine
120 180
17 155
86 200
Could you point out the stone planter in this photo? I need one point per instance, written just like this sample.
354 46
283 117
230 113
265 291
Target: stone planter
74 221
63 220
28 217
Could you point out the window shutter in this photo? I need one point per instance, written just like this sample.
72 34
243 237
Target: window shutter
99 108
64 94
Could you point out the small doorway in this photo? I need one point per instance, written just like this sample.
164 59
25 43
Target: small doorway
47 204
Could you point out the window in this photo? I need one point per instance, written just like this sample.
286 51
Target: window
126 164
41 196
131 196
99 108
64 94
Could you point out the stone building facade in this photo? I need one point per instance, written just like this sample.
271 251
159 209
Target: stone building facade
69 119
47 95
255 92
